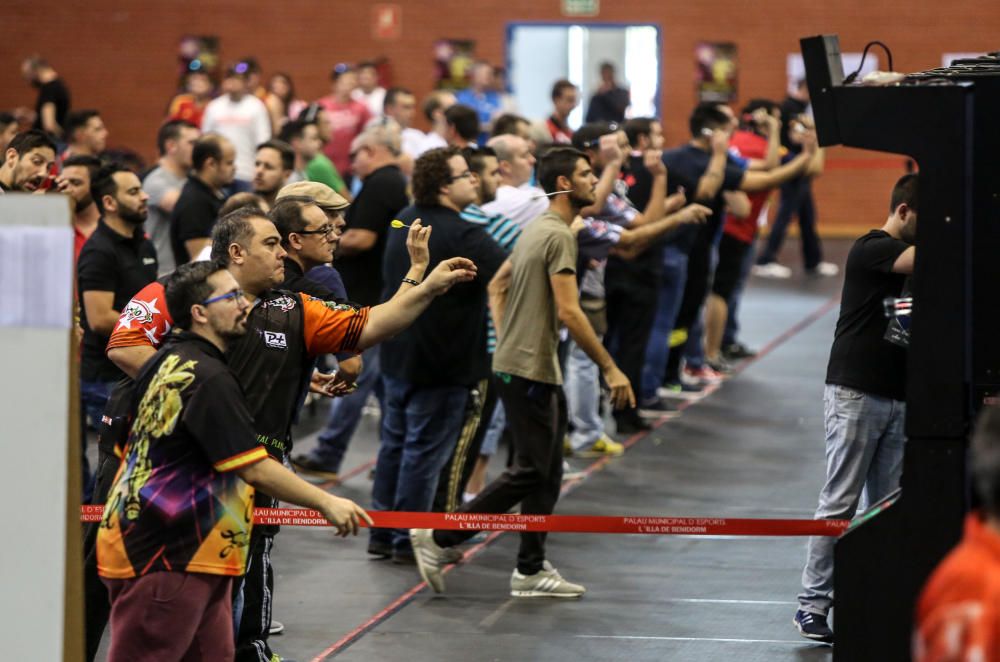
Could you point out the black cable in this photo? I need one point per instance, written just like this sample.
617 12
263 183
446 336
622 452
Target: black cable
850 78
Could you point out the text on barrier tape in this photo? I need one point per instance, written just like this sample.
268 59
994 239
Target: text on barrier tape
703 526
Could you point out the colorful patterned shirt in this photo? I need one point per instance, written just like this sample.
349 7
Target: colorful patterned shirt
176 503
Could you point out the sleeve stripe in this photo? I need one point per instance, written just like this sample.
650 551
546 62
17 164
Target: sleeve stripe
241 460
354 329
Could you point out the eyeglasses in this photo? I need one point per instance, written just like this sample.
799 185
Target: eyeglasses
326 229
455 178
235 294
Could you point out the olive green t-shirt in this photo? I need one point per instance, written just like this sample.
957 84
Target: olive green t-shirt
530 336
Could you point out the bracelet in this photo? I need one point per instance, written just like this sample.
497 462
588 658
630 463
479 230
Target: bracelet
410 281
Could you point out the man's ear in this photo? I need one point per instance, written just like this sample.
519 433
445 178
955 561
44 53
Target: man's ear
198 314
236 253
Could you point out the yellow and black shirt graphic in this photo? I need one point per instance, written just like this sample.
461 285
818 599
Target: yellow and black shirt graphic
176 503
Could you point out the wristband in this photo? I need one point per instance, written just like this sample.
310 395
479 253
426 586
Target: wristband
410 281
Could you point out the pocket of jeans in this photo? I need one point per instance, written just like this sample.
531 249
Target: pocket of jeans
848 393
169 586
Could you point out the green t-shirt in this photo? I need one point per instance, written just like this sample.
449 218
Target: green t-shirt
528 345
322 170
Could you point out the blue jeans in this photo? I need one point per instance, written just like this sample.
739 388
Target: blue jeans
93 398
420 426
345 414
498 422
669 302
732 332
583 395
864 451
796 200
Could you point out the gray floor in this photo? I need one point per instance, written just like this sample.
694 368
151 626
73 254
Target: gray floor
753 448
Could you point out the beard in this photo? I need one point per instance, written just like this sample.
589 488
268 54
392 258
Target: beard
238 330
131 216
83 204
579 202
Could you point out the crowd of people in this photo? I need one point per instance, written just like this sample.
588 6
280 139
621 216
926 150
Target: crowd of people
494 278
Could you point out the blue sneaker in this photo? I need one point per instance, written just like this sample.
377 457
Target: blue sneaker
813 626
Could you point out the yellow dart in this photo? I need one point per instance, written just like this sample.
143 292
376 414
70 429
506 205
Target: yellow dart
398 224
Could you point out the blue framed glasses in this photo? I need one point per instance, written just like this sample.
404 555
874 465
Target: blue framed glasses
235 294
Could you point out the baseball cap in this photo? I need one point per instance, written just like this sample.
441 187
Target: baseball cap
324 196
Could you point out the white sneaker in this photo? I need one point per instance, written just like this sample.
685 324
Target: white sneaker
771 270
827 269
546 583
430 558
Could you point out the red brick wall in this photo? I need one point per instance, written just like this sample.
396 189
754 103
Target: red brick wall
120 57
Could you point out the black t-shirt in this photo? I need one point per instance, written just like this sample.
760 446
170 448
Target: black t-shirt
110 262
56 93
861 358
446 346
608 106
790 109
646 267
193 216
685 166
377 204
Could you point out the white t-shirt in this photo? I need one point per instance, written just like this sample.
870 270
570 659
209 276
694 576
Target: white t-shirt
413 141
431 141
245 123
375 100
521 205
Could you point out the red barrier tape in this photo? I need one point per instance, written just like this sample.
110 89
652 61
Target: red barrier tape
701 526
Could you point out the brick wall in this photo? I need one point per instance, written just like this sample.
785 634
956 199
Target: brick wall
120 57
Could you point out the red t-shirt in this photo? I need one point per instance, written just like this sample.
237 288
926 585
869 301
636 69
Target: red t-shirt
958 615
186 107
346 121
749 146
145 320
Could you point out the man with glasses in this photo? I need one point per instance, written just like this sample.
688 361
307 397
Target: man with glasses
359 262
429 371
273 361
170 576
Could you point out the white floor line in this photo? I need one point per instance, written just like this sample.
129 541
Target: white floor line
712 601
801 642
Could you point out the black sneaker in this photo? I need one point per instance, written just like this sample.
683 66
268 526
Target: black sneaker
383 550
631 423
307 465
720 365
737 351
813 626
659 408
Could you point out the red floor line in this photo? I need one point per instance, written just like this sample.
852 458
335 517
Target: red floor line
351 473
570 485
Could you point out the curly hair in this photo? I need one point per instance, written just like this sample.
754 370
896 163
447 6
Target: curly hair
430 173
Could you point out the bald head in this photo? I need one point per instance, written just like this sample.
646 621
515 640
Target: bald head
515 157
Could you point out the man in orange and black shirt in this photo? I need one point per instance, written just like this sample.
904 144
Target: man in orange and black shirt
178 519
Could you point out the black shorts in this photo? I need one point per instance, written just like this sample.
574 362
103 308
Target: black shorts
727 272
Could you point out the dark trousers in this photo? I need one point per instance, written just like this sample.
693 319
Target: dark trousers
631 312
171 616
536 415
97 606
252 598
796 200
455 475
420 427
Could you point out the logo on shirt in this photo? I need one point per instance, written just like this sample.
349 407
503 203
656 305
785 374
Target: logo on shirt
275 339
284 303
149 260
333 305
138 311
